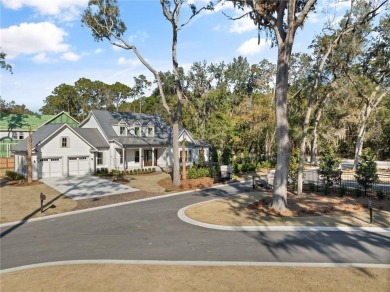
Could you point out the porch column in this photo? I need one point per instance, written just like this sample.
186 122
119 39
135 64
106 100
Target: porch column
141 158
123 157
152 156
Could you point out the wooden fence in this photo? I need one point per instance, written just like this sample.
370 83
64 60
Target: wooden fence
8 162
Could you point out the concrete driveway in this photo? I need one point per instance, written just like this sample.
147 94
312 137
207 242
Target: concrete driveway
86 187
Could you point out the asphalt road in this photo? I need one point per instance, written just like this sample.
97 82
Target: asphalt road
151 230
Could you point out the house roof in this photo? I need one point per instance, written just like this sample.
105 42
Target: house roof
91 136
106 119
41 134
18 122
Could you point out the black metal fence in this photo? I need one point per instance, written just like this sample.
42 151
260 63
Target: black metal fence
346 185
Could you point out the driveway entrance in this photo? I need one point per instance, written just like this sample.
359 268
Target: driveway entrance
86 187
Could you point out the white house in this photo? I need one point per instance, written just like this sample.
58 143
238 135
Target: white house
104 139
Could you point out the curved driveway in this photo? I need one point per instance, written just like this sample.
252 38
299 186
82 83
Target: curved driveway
151 230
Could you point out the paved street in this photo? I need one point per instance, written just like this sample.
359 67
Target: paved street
151 230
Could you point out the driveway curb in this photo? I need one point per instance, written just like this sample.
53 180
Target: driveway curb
195 263
111 206
182 216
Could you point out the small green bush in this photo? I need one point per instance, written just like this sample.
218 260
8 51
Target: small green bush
312 187
343 191
358 193
264 164
197 172
13 175
380 195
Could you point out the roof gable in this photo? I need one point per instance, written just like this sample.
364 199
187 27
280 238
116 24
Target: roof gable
63 118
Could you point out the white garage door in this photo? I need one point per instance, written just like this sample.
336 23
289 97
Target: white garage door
50 167
78 165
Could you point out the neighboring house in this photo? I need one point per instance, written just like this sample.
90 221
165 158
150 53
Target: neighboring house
15 127
104 139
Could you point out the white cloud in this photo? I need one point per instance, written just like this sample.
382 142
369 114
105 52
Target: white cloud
70 56
33 38
41 58
131 62
65 9
98 51
242 25
138 36
250 47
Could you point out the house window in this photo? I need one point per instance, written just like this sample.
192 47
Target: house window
64 142
136 131
150 131
122 131
99 158
136 158
15 135
21 135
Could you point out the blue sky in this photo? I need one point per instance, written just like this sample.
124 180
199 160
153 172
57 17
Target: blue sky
47 45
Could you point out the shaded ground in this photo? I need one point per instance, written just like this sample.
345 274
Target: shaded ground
188 184
251 209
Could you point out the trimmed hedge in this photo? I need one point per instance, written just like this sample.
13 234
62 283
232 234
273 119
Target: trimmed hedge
14 175
197 172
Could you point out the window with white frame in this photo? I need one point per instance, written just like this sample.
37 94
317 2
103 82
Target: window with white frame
122 130
136 158
15 135
99 158
64 142
150 131
21 136
137 131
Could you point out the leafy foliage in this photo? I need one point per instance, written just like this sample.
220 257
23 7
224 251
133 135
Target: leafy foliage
366 172
329 168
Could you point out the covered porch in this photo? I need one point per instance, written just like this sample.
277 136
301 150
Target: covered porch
137 158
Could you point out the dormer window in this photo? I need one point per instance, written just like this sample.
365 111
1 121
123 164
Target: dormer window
150 131
122 130
137 131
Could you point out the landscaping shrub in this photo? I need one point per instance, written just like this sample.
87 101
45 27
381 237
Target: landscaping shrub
329 168
366 172
312 187
197 172
343 191
14 175
358 193
264 164
380 195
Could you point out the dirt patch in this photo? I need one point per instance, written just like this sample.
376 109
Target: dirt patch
251 209
316 205
194 278
22 201
188 184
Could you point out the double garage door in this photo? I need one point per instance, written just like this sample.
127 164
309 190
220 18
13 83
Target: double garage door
52 167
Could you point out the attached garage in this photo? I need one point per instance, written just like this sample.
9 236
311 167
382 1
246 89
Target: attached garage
50 167
78 166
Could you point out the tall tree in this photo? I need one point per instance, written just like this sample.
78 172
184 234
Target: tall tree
103 18
282 19
3 63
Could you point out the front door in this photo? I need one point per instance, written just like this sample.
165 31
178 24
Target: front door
148 158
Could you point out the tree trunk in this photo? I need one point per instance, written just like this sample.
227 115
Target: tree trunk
360 137
314 144
279 199
29 157
175 146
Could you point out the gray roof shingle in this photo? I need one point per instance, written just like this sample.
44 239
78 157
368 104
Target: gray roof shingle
39 135
93 136
162 131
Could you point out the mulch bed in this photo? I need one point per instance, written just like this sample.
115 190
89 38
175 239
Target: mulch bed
188 184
